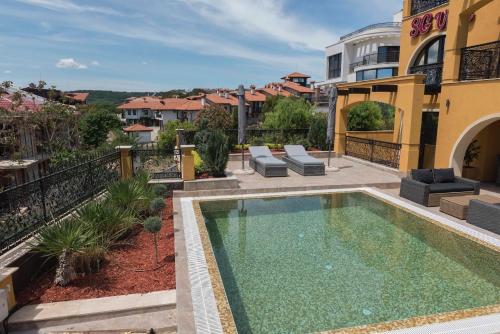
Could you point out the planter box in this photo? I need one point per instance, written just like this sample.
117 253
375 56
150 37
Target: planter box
230 182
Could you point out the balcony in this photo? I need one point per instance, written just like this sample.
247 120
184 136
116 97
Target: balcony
376 58
372 26
480 62
434 75
419 6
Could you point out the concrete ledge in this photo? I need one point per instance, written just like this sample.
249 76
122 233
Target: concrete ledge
50 314
316 154
230 182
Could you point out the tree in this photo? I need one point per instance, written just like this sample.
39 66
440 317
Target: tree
166 137
215 117
317 130
388 112
270 103
95 125
365 116
289 113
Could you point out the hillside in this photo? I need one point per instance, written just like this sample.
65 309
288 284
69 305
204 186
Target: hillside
119 97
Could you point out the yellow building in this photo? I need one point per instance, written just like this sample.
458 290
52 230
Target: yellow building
447 93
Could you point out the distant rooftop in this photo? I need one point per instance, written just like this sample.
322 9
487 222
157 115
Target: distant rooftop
372 26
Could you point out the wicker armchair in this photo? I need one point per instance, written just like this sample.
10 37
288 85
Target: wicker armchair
484 215
430 194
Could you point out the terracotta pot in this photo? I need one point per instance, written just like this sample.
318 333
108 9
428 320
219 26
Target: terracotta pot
470 173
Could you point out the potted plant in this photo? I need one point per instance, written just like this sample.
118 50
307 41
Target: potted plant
471 155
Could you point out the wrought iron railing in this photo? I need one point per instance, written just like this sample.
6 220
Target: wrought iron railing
376 58
160 163
372 26
433 72
381 152
26 208
480 62
419 6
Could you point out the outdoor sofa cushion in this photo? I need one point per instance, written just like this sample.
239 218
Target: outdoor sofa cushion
422 175
449 187
295 150
270 162
306 160
444 175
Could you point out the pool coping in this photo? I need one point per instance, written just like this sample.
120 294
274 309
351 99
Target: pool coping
211 310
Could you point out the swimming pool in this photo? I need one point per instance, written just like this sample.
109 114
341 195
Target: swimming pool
321 262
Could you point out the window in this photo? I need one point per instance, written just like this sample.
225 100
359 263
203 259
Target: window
433 53
378 73
129 112
334 65
388 54
134 112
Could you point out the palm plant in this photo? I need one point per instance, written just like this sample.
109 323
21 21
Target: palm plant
160 190
67 241
129 194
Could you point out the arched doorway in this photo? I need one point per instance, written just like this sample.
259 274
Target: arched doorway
483 138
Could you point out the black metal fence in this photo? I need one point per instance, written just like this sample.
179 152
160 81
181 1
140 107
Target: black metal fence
434 75
376 58
26 208
480 62
258 136
381 152
418 6
158 162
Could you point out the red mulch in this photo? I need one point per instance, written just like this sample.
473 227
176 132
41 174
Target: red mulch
116 276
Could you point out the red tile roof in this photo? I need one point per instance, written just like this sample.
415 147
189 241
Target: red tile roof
81 97
27 104
274 92
295 75
156 103
297 88
257 97
137 128
215 98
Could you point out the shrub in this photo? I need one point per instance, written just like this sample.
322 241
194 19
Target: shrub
257 141
160 190
317 131
214 117
365 116
299 140
156 206
95 125
153 226
133 194
166 137
198 163
289 113
216 154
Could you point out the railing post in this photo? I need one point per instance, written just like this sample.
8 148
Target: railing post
371 143
187 166
126 162
42 195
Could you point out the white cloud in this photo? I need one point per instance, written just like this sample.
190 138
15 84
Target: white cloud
7 71
68 6
94 63
70 63
266 18
144 62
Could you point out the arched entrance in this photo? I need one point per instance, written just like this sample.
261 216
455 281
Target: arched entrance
485 134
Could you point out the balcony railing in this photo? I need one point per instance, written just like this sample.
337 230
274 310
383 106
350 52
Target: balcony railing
372 26
480 62
434 75
419 6
376 58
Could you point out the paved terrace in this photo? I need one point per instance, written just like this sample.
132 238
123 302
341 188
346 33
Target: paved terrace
352 173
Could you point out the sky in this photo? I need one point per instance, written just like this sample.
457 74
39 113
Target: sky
153 45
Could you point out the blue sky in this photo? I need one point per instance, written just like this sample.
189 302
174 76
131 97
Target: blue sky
164 44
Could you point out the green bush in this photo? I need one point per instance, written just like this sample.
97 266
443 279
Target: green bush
317 131
365 116
167 136
216 154
214 117
156 206
289 113
160 190
298 140
95 124
153 226
199 167
257 141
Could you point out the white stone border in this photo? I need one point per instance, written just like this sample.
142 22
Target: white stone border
205 311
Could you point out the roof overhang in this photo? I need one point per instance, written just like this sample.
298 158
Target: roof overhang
384 88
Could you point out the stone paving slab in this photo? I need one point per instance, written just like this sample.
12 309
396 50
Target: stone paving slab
92 309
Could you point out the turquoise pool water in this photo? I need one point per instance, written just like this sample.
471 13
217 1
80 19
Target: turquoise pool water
323 262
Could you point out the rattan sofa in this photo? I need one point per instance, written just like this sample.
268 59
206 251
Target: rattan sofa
302 163
428 186
484 215
264 163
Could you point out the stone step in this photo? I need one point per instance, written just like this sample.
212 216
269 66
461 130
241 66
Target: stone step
135 312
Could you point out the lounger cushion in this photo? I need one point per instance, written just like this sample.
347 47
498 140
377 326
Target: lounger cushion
444 175
270 162
294 150
448 187
260 151
422 175
307 160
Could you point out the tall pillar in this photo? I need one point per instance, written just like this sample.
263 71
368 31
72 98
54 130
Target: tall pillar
187 165
126 161
7 285
340 125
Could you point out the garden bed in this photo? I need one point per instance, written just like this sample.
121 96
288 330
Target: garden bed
120 273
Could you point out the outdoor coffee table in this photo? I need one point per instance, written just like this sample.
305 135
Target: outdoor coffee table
457 206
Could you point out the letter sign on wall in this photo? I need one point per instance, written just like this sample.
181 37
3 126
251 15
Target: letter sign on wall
423 25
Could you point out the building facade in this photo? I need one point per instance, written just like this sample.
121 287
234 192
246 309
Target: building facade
446 92
368 53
